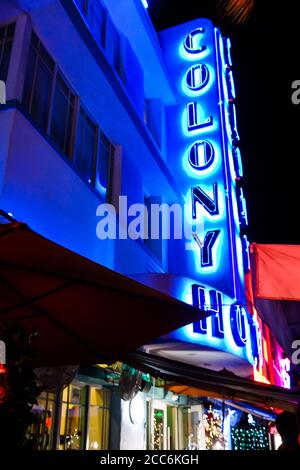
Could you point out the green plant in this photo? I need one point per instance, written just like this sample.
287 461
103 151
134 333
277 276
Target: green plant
19 388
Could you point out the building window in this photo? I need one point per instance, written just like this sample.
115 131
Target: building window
113 42
86 146
53 107
98 22
6 42
99 415
103 166
38 83
48 98
73 418
41 431
62 120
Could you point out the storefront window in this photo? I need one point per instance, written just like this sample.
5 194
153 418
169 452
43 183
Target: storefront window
98 429
41 431
72 418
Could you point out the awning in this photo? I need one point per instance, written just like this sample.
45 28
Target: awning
83 313
276 290
222 384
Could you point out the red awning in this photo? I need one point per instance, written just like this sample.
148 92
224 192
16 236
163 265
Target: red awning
84 313
276 290
277 271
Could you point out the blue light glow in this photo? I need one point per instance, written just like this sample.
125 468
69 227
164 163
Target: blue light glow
202 173
204 114
183 54
227 343
228 51
207 84
237 159
210 203
145 4
194 120
214 266
191 42
200 211
246 256
230 85
201 155
242 209
197 77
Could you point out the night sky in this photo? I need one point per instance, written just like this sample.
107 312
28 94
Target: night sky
266 56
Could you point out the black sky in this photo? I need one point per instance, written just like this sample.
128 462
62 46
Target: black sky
266 55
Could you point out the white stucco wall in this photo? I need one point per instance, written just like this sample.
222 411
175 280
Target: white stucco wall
133 434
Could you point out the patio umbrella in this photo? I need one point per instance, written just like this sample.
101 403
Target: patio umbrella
83 313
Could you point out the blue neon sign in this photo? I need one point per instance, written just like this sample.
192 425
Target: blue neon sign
203 143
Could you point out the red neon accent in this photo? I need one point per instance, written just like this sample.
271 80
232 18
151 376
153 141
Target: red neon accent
48 422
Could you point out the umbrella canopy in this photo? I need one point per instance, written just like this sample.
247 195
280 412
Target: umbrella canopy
83 313
276 290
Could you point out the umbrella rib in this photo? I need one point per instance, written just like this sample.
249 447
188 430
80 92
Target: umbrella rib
90 283
33 299
43 312
110 287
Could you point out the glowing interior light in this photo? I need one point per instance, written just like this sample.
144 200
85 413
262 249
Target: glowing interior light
145 4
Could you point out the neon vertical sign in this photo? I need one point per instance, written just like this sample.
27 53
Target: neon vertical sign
203 146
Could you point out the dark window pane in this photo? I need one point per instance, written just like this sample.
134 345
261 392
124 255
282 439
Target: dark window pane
104 158
62 116
46 59
29 78
5 61
113 45
38 83
85 146
6 42
11 31
34 40
103 165
97 23
41 95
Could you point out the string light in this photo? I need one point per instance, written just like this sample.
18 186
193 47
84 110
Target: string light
158 429
254 438
214 438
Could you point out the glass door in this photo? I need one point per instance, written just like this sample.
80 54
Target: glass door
72 417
